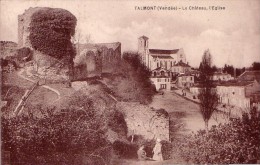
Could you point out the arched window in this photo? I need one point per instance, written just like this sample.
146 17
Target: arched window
162 73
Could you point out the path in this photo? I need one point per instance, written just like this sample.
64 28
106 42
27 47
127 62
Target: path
43 94
186 112
44 86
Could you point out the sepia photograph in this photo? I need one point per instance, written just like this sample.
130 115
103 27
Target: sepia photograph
129 82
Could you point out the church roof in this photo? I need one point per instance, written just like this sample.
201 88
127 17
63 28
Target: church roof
161 51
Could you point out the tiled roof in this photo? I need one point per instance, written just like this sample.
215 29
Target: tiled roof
235 83
250 76
160 51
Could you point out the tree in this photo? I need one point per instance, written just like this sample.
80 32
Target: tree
229 69
207 94
256 66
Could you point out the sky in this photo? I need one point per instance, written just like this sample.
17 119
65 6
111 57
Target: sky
232 35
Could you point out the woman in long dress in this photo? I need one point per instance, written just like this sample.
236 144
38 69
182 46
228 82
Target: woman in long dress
157 150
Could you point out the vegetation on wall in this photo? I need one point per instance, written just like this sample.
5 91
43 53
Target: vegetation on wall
131 81
50 32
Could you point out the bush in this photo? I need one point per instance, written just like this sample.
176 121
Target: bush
235 142
117 123
125 149
166 150
69 136
135 84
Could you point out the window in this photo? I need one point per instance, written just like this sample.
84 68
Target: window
157 64
190 78
166 80
163 86
162 73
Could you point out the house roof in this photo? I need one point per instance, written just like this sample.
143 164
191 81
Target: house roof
162 56
220 73
250 76
235 83
161 51
186 74
180 63
161 69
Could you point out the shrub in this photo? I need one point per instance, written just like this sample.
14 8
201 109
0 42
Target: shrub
234 142
135 84
69 136
166 149
125 149
117 123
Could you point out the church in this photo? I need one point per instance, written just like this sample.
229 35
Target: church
164 65
154 58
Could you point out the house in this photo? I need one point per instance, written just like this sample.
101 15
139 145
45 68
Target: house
161 78
181 68
219 76
155 58
185 80
237 93
249 76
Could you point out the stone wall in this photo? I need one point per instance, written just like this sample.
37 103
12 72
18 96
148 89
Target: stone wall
142 120
110 54
88 64
24 21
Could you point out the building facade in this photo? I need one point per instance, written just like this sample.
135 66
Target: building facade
185 80
161 78
221 77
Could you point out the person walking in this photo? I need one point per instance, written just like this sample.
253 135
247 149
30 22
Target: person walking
157 150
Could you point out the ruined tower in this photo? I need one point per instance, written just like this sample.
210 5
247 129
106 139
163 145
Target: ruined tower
143 49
